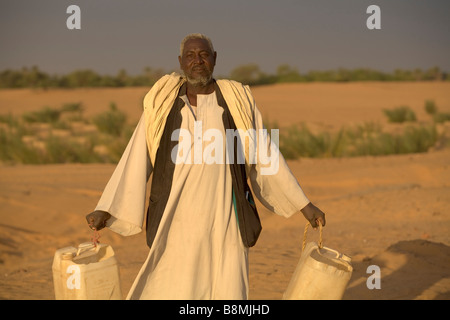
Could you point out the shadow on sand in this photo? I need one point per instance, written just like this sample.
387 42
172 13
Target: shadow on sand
414 269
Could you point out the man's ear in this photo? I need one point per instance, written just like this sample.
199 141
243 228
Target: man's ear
215 57
179 60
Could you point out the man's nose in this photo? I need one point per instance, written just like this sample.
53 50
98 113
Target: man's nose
198 59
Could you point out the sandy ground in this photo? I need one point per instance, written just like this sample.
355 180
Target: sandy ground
387 211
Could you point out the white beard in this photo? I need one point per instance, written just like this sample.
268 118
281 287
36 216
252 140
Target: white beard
199 82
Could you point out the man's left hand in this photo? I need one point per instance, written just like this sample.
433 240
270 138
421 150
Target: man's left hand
314 215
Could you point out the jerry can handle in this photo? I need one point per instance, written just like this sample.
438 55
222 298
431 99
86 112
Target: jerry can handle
86 246
320 244
337 253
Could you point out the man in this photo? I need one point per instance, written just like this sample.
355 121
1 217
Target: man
201 218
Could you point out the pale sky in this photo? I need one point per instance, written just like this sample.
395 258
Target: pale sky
305 34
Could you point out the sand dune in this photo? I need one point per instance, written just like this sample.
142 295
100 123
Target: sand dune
388 211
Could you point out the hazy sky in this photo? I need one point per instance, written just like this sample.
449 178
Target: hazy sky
306 34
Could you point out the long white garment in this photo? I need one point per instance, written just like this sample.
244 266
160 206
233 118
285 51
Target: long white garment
197 252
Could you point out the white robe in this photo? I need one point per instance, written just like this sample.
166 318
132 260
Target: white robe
198 252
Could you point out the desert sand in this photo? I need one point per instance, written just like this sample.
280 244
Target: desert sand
389 211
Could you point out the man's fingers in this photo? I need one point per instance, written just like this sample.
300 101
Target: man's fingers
98 224
315 222
321 220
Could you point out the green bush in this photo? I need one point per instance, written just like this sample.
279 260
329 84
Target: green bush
72 107
60 150
14 150
111 122
9 119
54 149
46 115
440 117
299 141
432 110
363 140
19 142
400 114
418 139
430 107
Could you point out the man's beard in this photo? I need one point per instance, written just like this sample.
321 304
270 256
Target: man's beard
201 81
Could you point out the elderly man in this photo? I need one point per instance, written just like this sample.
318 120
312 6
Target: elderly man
201 218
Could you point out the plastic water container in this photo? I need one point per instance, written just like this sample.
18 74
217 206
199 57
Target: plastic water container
89 272
321 274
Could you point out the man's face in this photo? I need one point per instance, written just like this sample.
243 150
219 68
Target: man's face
197 62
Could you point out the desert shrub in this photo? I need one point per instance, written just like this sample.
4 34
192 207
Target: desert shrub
111 122
251 74
432 110
362 140
430 107
72 107
417 139
61 150
299 141
441 117
14 150
365 139
46 115
9 120
76 148
20 142
413 139
73 111
61 124
400 114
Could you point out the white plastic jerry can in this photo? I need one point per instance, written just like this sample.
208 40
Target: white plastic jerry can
89 272
321 274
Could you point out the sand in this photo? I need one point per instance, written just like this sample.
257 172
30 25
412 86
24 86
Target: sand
387 211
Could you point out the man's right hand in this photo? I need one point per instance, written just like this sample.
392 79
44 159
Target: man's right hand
97 219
